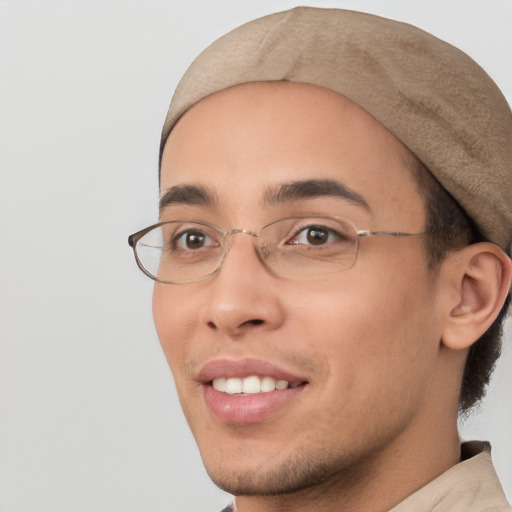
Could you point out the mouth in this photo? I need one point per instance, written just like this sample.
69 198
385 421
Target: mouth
252 385
248 391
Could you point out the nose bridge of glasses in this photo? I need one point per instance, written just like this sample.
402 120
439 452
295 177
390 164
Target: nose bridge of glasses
228 240
240 230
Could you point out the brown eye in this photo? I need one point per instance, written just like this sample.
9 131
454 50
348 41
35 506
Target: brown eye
317 236
192 239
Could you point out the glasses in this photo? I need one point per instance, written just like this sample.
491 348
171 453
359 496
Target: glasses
184 251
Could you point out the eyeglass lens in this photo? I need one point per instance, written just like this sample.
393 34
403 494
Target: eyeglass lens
295 248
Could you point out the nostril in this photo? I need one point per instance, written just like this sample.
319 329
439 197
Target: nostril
256 321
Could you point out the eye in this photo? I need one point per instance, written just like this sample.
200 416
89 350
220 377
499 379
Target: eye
192 239
315 235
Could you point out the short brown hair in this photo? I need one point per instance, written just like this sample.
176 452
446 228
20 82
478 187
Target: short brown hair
449 228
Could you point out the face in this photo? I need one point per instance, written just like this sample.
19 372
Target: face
357 350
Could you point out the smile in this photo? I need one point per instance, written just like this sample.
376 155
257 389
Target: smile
249 390
251 385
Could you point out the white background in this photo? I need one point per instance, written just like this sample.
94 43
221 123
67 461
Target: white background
89 420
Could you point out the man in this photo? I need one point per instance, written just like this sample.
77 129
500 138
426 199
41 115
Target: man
336 227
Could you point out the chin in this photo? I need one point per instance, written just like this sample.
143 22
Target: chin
298 473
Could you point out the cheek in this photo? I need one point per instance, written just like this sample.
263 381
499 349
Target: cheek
377 337
173 324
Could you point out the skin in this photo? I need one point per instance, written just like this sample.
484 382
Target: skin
377 419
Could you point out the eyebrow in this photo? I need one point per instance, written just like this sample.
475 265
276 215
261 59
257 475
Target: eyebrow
309 189
187 194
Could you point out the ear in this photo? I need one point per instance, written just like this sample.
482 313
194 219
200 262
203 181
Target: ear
478 281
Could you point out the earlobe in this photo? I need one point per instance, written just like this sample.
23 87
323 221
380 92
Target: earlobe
478 277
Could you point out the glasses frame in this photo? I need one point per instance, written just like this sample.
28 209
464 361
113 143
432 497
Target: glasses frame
135 237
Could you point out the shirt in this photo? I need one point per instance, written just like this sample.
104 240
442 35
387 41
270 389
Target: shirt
470 486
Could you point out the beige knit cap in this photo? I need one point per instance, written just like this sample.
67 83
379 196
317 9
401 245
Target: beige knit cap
430 95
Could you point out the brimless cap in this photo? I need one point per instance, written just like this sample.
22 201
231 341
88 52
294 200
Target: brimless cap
430 95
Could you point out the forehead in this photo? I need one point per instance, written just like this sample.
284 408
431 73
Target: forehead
249 138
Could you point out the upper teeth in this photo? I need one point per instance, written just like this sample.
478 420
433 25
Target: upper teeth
249 385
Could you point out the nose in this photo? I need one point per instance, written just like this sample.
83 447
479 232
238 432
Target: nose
244 295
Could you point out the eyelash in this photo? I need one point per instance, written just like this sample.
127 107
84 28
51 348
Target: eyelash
331 233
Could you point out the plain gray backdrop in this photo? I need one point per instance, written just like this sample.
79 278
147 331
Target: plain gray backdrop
89 419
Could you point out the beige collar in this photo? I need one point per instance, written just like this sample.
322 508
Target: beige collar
470 486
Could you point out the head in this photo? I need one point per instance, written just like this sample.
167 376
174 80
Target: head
378 351
375 356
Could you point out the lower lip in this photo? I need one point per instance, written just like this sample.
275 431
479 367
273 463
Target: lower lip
247 408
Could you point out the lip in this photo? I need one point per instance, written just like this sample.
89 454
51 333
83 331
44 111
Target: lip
247 409
245 368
